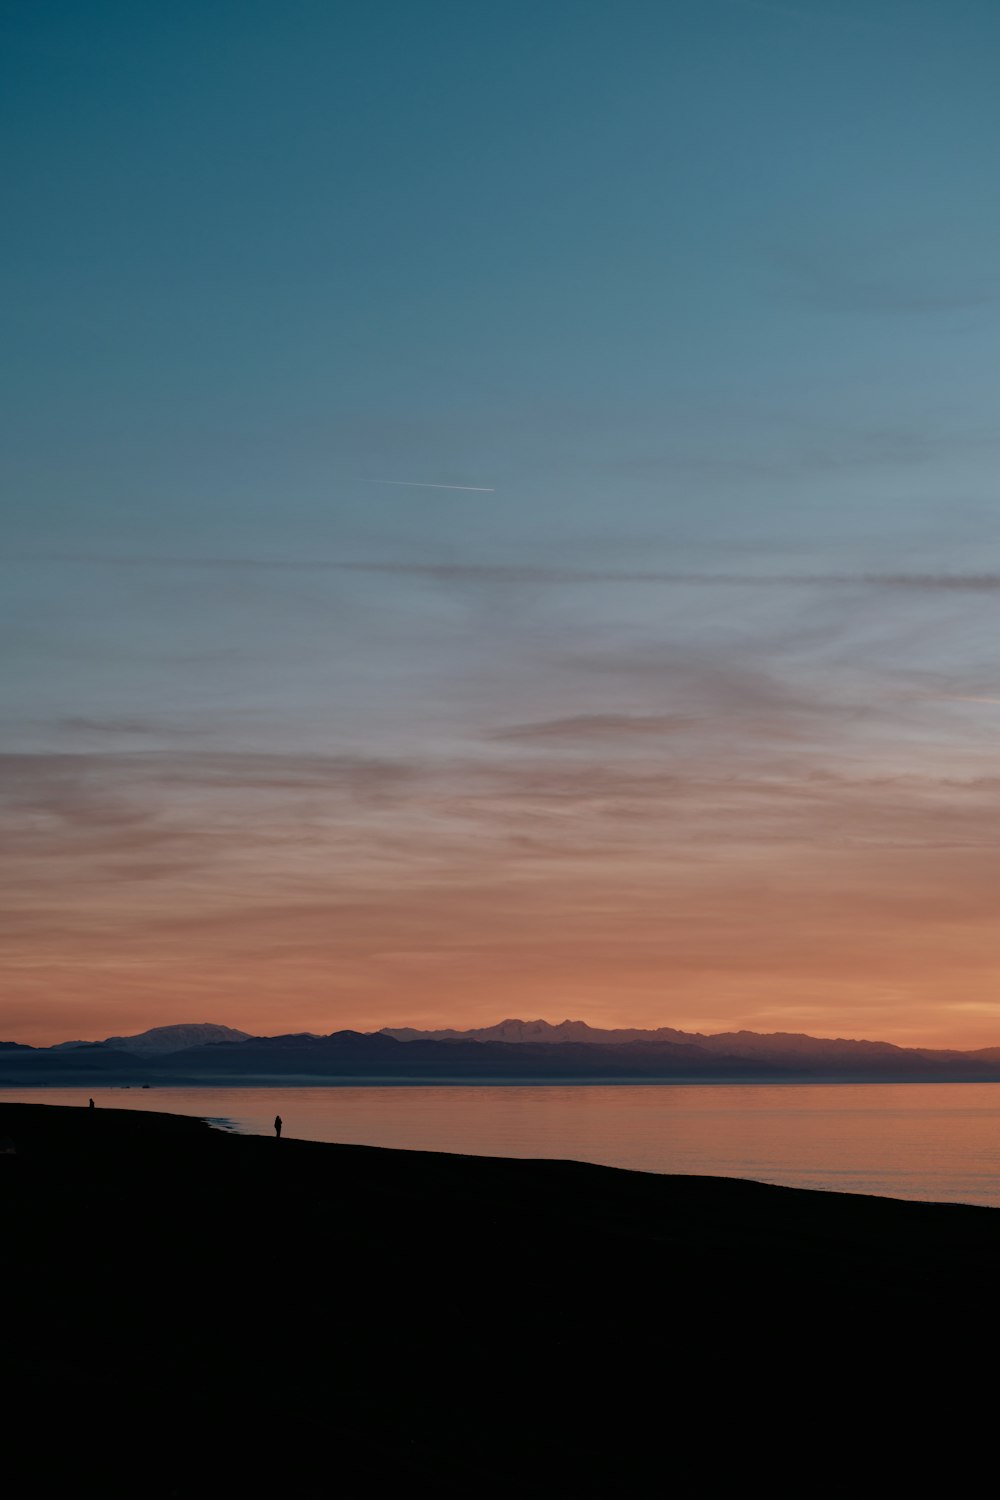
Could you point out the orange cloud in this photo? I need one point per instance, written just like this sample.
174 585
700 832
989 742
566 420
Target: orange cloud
306 892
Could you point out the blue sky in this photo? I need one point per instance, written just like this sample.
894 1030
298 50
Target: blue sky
691 311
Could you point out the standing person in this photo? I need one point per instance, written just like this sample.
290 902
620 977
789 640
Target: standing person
90 1104
277 1126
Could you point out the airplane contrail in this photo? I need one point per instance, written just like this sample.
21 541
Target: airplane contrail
422 484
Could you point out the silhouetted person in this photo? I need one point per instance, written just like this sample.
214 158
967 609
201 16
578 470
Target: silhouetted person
90 1104
277 1126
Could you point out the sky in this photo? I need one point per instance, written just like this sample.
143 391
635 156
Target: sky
499 516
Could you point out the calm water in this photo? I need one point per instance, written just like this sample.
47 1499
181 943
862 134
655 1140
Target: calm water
932 1141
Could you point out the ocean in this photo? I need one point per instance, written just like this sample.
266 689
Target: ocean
936 1142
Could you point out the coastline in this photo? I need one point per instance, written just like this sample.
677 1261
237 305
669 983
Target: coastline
915 1143
351 1313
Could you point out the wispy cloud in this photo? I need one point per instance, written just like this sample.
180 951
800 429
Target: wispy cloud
584 727
959 698
307 882
528 573
423 484
123 727
520 573
87 724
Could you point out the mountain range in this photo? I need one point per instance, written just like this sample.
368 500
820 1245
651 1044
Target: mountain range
513 1050
755 1044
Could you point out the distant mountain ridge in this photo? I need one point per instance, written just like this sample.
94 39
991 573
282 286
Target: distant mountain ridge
731 1043
511 1051
164 1039
518 1032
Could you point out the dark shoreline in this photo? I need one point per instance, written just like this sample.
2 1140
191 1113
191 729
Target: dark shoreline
342 1319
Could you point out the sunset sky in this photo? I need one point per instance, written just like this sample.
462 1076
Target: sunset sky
500 516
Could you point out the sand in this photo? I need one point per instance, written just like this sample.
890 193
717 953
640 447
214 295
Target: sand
187 1312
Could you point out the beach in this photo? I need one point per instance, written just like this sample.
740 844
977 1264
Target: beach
357 1319
930 1142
